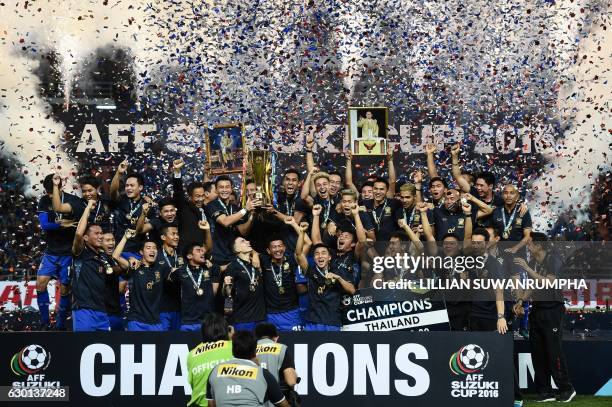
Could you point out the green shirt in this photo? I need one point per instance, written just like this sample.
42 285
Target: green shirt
200 362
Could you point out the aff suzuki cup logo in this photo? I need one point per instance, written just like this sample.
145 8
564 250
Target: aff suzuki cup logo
30 360
467 363
468 359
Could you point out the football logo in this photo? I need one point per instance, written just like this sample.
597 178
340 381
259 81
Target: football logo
30 360
468 359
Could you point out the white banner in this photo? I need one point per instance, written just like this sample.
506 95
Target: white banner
22 294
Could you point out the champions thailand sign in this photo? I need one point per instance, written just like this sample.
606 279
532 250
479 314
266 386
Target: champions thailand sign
125 369
412 312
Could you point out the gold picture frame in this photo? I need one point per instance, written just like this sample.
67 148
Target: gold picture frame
225 148
376 125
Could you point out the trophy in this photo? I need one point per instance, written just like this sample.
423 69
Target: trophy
261 167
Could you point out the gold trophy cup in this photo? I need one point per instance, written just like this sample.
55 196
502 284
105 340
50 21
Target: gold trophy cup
260 166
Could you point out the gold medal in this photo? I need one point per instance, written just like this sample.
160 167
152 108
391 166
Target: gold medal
281 290
324 225
252 287
285 266
506 235
109 270
200 292
128 216
321 289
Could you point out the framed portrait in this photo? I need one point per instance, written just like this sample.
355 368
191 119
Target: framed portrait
368 130
225 148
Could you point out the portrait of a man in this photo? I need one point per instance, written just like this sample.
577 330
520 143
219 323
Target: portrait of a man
368 130
224 148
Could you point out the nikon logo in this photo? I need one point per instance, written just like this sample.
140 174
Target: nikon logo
211 346
273 349
242 372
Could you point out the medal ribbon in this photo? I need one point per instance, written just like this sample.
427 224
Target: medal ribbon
175 257
290 209
327 209
321 272
278 278
231 212
98 206
377 218
250 271
409 221
134 210
508 225
196 285
107 265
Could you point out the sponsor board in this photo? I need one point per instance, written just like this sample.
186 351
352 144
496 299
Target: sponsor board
121 369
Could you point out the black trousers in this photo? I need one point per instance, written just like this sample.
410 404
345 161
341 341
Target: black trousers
458 315
484 324
545 337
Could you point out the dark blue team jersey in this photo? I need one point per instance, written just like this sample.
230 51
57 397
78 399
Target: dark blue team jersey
383 217
484 305
145 291
487 221
89 280
59 241
279 284
514 231
327 208
248 292
223 236
112 295
289 205
195 304
101 213
341 219
325 296
126 216
171 293
450 222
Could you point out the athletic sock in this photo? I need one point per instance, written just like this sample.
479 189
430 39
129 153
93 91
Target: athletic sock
42 298
64 309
